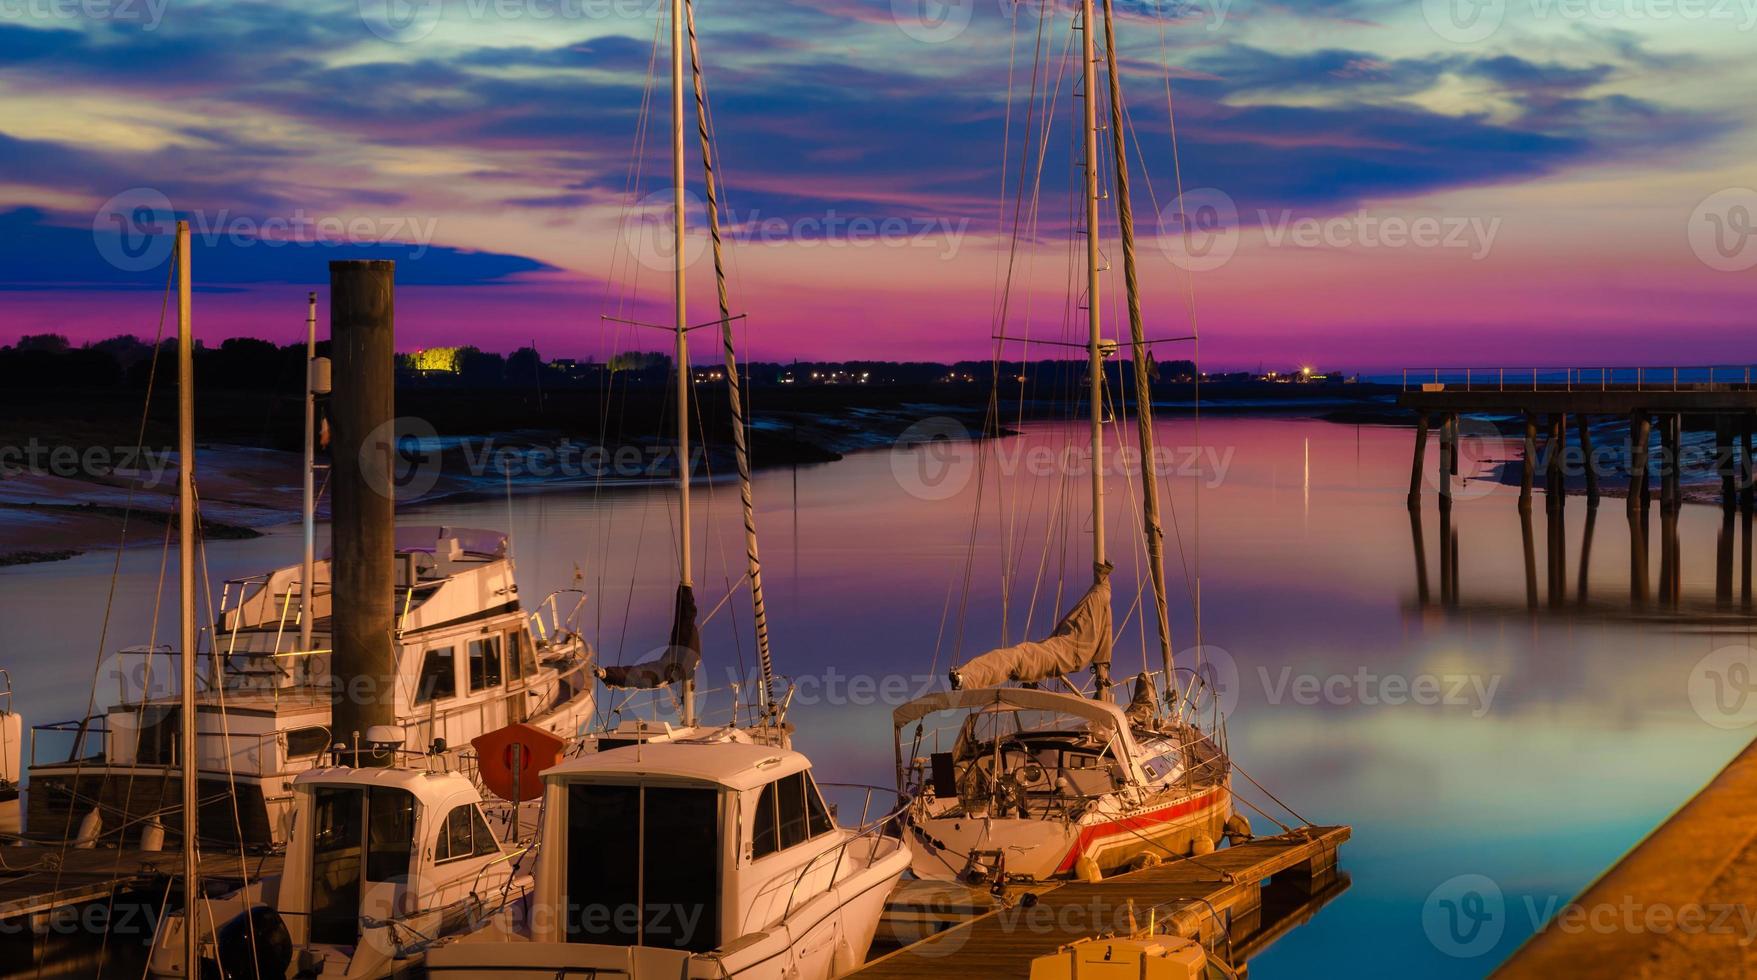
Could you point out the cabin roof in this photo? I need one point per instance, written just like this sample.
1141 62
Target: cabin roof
734 765
425 784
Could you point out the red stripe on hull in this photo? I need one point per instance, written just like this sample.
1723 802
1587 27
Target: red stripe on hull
1206 801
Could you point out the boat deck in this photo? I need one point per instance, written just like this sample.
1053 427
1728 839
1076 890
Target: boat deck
38 880
1218 899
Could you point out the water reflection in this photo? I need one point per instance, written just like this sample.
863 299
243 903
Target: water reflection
1726 604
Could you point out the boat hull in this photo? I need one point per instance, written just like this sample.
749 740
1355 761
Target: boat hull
1043 848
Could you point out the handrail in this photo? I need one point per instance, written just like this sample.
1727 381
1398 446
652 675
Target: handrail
875 829
1565 378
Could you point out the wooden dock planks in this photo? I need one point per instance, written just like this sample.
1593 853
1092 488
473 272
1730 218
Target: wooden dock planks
1203 896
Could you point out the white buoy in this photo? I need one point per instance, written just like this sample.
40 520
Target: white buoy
1238 827
1202 844
152 837
90 826
1087 870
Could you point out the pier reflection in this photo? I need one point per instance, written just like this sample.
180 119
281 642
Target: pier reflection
1578 580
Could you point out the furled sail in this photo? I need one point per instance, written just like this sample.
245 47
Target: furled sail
676 663
1082 639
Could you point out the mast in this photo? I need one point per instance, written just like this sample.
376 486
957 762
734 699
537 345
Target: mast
1150 523
685 574
186 592
735 397
308 570
1095 318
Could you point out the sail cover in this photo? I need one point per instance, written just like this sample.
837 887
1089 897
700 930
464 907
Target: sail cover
676 662
1081 640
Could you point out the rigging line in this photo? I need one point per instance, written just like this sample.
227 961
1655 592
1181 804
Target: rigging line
1195 327
1151 527
115 577
192 821
740 445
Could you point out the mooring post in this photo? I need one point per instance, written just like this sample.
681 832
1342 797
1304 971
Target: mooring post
1639 577
364 664
1746 497
1723 461
1530 543
1421 451
1640 434
1674 488
1554 487
1589 461
1556 533
1527 472
1448 435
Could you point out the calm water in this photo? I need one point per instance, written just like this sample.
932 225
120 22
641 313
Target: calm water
1467 736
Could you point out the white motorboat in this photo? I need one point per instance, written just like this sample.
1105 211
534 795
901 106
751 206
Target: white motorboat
704 859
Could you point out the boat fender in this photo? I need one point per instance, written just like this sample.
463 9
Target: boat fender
1087 870
1147 859
152 836
255 944
1202 844
90 826
842 962
1238 827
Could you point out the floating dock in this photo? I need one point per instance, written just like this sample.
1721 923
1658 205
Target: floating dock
1235 901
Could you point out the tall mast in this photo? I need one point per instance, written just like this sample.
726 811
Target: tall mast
685 572
186 591
308 570
734 393
1095 318
1150 523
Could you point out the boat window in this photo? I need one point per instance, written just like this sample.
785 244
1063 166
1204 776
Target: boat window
335 864
306 742
439 676
643 867
390 833
764 838
817 815
466 834
485 664
790 794
522 661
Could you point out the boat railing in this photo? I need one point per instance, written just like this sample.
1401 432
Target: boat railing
78 730
869 831
735 705
558 624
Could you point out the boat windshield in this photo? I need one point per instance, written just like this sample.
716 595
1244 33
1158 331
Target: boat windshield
643 866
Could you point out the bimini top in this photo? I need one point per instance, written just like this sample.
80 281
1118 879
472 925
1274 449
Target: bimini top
733 765
1101 715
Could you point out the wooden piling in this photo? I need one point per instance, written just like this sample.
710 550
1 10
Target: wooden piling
1591 464
1448 433
1640 434
1747 496
362 324
1555 481
1526 473
1421 451
1723 462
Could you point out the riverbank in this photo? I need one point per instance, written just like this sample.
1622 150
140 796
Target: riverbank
83 470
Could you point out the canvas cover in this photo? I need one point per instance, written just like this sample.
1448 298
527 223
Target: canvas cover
1082 639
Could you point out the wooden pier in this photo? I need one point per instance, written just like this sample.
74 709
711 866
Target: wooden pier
1552 400
1234 901
1678 905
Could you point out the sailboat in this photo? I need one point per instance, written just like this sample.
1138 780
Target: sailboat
699 850
1040 783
